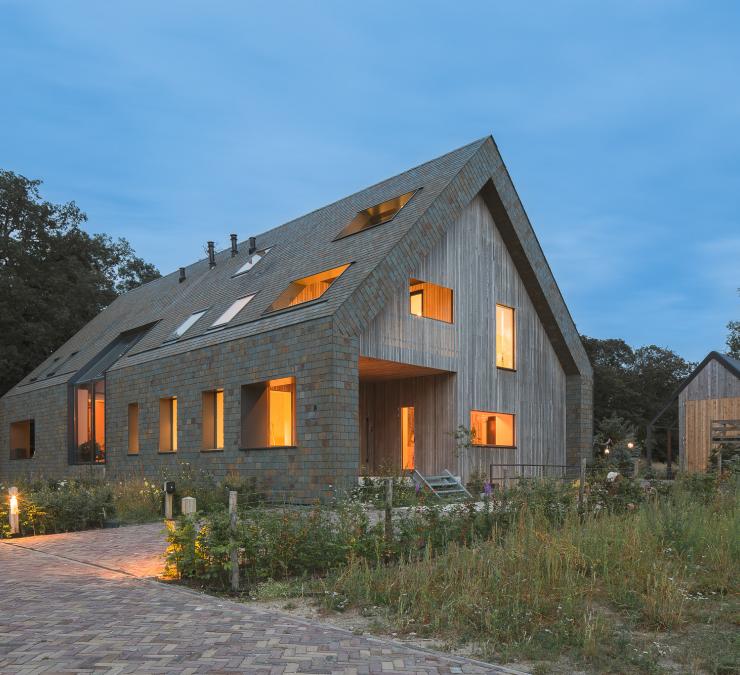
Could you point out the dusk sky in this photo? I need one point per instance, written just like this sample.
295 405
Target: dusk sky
171 123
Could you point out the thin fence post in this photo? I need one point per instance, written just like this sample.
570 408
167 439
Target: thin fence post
636 466
234 553
719 463
389 509
13 511
582 484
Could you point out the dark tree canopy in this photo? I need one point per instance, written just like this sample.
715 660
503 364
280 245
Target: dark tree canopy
54 276
733 337
635 384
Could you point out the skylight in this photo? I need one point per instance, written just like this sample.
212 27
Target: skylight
308 288
252 261
232 311
376 215
183 327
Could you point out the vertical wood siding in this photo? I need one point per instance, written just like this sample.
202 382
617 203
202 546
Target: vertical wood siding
713 394
473 261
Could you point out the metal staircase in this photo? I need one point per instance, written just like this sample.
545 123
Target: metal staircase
445 486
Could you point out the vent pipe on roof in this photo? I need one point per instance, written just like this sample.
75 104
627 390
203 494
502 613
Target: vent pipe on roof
182 275
234 249
211 255
252 245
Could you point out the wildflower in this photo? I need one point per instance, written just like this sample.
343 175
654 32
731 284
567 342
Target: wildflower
487 489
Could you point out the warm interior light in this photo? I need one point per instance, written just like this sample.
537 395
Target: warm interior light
505 337
630 445
13 504
492 428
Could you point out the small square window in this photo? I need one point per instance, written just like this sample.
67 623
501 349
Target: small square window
376 215
22 439
268 414
430 301
492 428
307 289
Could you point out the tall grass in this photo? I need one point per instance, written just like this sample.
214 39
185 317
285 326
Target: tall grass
550 586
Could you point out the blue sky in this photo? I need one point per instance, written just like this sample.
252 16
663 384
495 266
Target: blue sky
171 123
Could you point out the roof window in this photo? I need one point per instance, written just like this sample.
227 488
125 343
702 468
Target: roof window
252 261
185 325
377 215
236 307
308 288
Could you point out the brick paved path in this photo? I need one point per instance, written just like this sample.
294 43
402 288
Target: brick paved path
78 602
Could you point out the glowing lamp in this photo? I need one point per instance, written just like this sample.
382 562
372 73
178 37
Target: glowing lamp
630 445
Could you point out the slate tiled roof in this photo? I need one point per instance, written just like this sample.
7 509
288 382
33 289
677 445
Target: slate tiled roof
299 248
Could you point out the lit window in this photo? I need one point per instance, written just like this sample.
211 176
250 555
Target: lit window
133 428
430 301
183 327
376 215
408 438
505 337
252 261
22 439
491 428
232 311
213 420
307 288
168 424
268 414
89 423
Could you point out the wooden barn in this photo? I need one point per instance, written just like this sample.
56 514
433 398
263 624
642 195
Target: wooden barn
708 410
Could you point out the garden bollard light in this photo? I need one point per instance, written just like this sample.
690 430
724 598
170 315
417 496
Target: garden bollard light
13 512
169 496
188 506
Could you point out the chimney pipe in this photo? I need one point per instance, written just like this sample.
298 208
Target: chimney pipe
234 249
211 255
252 245
182 275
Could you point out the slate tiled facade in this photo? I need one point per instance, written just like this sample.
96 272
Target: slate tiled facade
317 344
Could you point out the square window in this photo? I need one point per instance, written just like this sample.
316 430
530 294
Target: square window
492 428
430 301
268 414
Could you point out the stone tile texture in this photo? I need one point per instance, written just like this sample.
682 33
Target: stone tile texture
83 603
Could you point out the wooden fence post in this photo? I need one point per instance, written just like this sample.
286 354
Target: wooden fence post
719 463
13 517
389 509
234 553
581 485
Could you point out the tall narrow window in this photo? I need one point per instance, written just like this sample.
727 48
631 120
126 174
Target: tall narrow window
133 428
492 428
505 337
268 414
89 423
307 288
376 215
430 301
213 420
185 325
408 438
22 439
168 424
234 309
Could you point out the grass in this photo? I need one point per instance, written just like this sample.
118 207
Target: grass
596 592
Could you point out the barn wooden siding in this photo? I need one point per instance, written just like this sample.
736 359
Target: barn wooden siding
473 260
713 394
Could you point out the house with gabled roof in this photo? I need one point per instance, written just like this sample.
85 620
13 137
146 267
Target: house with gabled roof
354 340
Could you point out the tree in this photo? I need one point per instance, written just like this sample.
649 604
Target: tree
634 384
733 337
54 276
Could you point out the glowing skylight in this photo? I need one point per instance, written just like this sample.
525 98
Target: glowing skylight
232 311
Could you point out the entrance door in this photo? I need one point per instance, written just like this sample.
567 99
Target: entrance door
407 437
